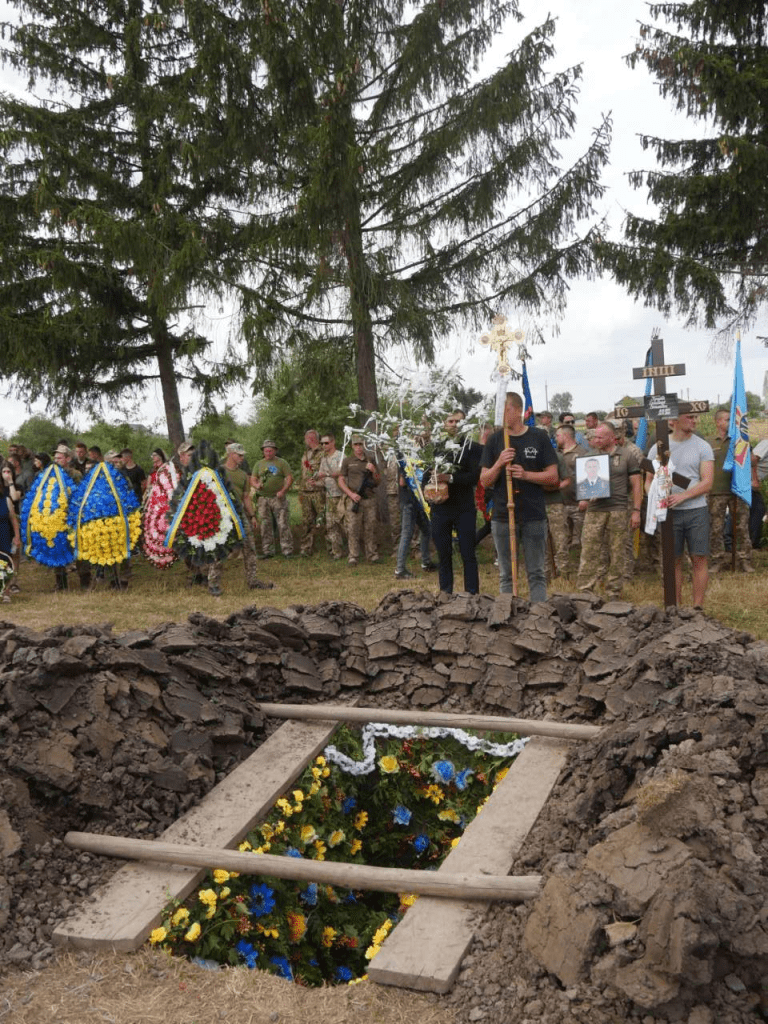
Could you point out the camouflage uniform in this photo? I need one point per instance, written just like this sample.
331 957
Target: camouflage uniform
573 517
556 522
603 539
334 504
311 499
279 508
718 508
720 499
361 525
603 528
250 563
392 472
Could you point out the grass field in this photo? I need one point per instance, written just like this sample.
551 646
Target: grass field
156 596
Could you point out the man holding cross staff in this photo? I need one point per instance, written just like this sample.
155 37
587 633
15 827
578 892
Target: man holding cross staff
528 461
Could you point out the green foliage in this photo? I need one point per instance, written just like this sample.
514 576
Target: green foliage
706 253
313 390
40 434
407 194
408 812
560 402
105 204
125 435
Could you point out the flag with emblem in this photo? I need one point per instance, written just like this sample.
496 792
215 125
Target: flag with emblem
528 416
737 461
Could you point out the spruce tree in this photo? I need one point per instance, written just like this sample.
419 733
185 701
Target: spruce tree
108 236
407 193
706 252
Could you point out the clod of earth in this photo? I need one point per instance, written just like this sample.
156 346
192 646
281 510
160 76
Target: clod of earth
652 847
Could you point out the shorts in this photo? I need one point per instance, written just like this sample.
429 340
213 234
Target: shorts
691 526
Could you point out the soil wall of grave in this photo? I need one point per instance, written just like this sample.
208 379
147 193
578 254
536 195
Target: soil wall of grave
654 847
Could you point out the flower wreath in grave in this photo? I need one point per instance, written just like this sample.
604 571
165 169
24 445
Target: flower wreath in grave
205 518
404 804
44 517
155 521
104 517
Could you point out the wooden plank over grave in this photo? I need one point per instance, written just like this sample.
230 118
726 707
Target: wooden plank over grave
129 905
425 951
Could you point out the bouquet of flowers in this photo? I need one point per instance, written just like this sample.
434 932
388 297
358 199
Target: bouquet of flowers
6 571
155 523
204 516
44 518
407 808
104 517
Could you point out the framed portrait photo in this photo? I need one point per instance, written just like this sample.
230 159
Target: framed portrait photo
593 478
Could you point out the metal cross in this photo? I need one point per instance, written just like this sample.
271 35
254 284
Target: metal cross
500 340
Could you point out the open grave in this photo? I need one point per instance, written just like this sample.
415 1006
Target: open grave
651 846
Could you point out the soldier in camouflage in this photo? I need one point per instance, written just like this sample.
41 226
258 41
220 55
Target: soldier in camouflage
311 492
721 499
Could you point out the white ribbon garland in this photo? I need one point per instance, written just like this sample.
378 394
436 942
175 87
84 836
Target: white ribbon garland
368 764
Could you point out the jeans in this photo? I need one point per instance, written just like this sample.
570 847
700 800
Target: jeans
407 520
443 522
532 538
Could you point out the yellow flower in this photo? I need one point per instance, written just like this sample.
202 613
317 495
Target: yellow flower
158 935
320 760
279 828
180 917
207 896
449 815
336 837
298 796
407 899
361 820
356 846
382 932
321 849
371 952
435 794
297 925
326 772
285 807
501 774
388 764
245 845
455 842
314 788
225 892
267 831
220 876
308 834
193 934
329 934
268 932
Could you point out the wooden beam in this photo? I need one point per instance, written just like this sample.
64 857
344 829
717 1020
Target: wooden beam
425 951
463 885
482 723
129 905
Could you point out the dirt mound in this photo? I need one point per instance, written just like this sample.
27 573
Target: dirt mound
653 846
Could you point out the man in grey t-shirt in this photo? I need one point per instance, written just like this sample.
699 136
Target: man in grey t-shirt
692 457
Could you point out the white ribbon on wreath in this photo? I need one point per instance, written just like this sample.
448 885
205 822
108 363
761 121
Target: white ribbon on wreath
373 729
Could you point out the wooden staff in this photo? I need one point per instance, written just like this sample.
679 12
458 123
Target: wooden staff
511 513
461 886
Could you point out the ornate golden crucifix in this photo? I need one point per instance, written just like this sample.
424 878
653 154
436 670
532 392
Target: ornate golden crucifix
500 339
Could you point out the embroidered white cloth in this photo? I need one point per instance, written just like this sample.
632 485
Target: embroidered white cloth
373 729
659 491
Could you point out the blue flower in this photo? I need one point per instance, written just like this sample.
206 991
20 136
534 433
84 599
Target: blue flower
401 815
292 852
283 967
344 974
309 896
248 952
313 963
350 897
442 771
262 900
348 804
421 842
462 778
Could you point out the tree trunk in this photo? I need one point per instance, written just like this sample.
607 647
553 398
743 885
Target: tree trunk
170 390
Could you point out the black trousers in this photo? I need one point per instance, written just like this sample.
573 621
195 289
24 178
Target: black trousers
444 519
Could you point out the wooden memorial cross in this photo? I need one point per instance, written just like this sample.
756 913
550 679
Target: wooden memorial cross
662 407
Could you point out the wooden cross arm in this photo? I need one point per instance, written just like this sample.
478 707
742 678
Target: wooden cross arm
677 478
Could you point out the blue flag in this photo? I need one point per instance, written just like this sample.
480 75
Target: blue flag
642 430
528 417
738 458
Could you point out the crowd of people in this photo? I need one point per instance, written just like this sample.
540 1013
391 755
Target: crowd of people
538 489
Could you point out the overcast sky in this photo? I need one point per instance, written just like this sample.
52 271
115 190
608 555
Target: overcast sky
603 334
